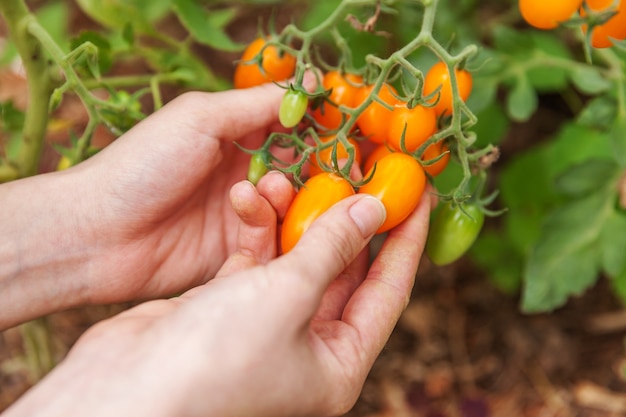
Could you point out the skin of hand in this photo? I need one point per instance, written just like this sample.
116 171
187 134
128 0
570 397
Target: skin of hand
148 216
290 336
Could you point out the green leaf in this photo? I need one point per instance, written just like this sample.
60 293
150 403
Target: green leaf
599 113
566 259
116 14
206 30
492 125
511 42
526 190
587 177
618 140
502 261
522 101
618 284
547 77
613 244
589 80
575 144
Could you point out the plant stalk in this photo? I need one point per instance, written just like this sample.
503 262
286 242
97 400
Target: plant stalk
40 87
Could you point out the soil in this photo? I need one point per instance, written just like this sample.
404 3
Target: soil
462 348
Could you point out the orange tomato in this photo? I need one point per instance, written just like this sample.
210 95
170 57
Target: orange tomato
325 155
433 151
343 90
547 14
420 123
614 28
373 121
277 66
318 194
399 182
439 76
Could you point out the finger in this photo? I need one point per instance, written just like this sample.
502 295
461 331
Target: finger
277 190
256 236
331 244
378 303
341 288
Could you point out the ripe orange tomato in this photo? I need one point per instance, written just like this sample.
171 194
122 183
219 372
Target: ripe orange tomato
432 152
614 28
398 182
318 194
420 122
277 66
547 14
325 155
439 76
373 121
343 90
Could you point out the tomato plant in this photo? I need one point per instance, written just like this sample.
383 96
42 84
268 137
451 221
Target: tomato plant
325 154
603 34
437 82
399 182
548 14
292 107
274 65
342 89
317 195
373 121
413 125
453 231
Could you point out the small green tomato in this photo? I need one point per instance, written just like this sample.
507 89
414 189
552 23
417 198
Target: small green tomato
453 232
292 108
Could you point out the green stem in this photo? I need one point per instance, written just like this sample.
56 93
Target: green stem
134 80
40 87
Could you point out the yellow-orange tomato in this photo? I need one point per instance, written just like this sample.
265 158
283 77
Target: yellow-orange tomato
325 155
433 151
614 28
547 14
373 121
398 182
439 76
318 194
343 90
420 123
277 66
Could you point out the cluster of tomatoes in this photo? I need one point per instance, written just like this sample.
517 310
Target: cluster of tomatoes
392 129
611 24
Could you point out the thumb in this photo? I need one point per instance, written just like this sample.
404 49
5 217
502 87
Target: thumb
332 243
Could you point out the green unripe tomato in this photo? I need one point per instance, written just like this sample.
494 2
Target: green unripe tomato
453 232
257 168
292 108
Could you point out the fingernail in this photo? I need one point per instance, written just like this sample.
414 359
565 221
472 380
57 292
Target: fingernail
368 213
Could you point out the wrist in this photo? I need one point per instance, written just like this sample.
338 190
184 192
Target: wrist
40 251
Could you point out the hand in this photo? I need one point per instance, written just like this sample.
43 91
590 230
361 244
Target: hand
292 337
148 216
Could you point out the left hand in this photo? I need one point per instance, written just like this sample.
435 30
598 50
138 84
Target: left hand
295 336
